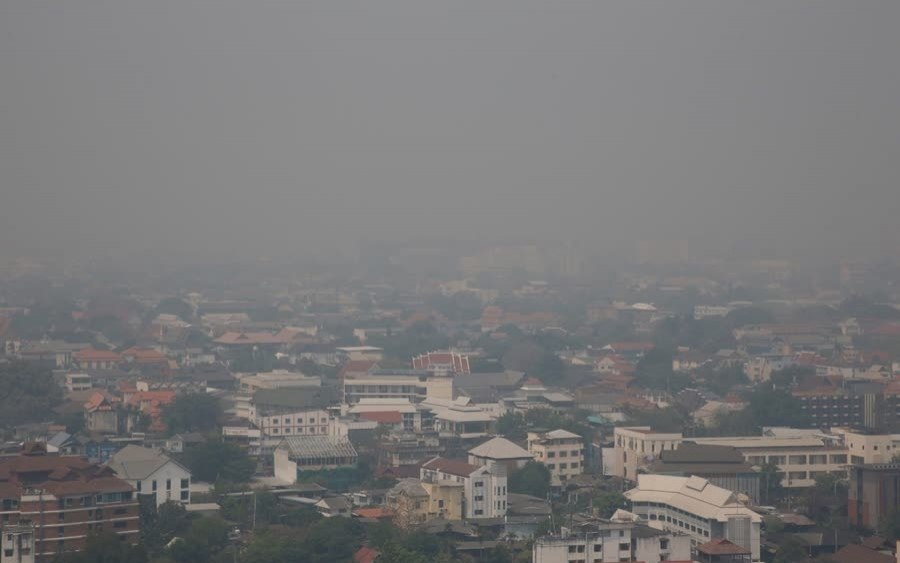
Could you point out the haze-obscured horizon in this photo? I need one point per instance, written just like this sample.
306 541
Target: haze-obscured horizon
240 128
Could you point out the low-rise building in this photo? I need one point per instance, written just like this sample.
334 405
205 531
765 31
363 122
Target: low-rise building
606 540
312 453
724 466
874 493
153 473
78 382
500 451
696 507
560 450
635 447
65 499
484 487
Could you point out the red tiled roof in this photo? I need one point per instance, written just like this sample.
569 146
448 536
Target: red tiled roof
855 553
721 546
375 512
94 355
450 466
145 355
383 417
99 399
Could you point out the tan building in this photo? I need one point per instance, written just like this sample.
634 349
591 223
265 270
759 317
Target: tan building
636 447
867 448
560 450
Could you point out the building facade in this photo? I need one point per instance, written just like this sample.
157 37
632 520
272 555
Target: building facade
152 473
697 508
636 447
603 541
561 451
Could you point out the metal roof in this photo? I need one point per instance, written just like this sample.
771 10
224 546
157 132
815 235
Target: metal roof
317 447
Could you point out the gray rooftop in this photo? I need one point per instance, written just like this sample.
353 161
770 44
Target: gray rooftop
137 463
318 447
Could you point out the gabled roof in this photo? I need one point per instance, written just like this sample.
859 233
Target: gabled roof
694 495
457 467
94 355
855 553
500 448
560 433
383 417
721 546
136 463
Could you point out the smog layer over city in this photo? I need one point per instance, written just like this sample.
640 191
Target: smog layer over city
426 282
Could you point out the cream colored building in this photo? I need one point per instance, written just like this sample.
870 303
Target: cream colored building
635 447
869 448
560 450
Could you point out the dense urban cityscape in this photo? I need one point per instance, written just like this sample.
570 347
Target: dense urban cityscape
518 403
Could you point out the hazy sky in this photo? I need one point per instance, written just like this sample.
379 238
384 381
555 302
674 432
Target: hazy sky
274 127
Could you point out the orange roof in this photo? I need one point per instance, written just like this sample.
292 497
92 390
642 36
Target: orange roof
356 367
374 512
144 355
94 355
98 400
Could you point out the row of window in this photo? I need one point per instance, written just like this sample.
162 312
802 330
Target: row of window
575 453
812 459
185 484
287 421
301 430
598 547
573 465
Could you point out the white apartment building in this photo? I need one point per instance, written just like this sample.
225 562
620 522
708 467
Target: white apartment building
635 447
151 472
601 541
484 488
800 457
560 450
298 423
694 506
78 382
414 388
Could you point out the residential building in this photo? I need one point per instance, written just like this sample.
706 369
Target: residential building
874 493
413 417
334 506
484 487
800 457
104 414
410 503
721 550
560 450
723 466
17 543
607 540
696 507
635 447
78 382
153 473
501 451
312 453
278 379
91 358
65 499
408 448
302 423
415 386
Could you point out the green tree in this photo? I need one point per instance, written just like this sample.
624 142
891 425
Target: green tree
532 479
654 371
770 488
27 393
216 460
192 412
207 537
107 547
512 426
791 550
608 502
396 553
775 407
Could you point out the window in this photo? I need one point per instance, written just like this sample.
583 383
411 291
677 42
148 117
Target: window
574 465
598 547
287 420
120 511
479 497
575 453
479 512
840 458
120 524
441 503
62 531
580 549
185 495
185 483
479 483
563 454
551 454
153 485
820 459
551 466
563 465
797 460
139 483
571 549
168 484
624 547
7 553
664 544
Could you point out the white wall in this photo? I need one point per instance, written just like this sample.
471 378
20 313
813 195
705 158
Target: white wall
174 473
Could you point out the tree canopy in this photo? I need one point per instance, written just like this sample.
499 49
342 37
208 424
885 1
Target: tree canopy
27 393
532 479
217 460
192 412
